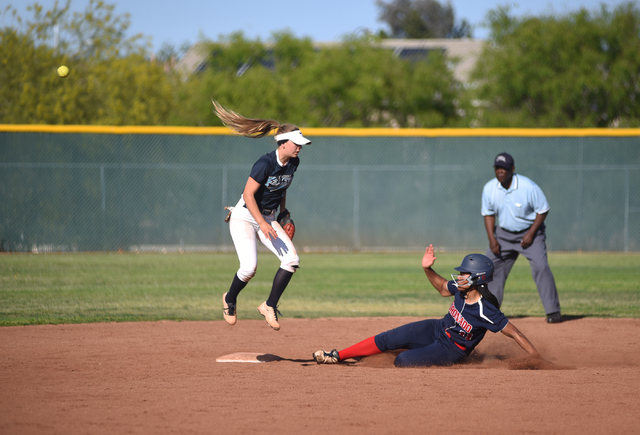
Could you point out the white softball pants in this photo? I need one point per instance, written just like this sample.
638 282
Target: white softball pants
244 232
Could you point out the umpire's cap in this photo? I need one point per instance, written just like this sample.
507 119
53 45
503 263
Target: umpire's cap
504 160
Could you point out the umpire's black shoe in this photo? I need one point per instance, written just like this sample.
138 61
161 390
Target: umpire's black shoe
554 318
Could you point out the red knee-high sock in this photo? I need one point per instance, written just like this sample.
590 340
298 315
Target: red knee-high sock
364 348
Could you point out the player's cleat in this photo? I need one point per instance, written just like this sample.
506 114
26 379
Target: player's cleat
554 318
323 357
270 315
228 311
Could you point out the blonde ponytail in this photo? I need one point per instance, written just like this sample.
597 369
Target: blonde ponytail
249 127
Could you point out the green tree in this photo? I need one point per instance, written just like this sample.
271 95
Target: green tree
95 33
110 82
359 84
355 83
416 19
577 70
243 53
30 90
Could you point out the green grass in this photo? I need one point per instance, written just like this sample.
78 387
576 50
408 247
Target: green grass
106 287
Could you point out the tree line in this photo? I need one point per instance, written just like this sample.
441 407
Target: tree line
580 69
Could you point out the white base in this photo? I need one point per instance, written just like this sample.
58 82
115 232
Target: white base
248 357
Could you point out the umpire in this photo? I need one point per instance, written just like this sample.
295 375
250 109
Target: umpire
520 208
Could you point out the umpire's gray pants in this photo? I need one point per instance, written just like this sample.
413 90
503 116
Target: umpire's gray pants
510 248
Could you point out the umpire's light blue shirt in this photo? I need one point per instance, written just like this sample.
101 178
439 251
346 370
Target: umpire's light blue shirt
515 208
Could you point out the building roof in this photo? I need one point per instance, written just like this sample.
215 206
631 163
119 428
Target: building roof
465 51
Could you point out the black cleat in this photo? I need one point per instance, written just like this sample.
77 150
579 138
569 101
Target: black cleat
554 318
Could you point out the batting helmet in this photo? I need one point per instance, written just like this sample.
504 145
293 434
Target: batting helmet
479 266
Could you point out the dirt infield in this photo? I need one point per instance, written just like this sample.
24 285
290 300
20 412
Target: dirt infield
161 377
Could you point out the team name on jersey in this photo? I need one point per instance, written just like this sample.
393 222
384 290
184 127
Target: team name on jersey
453 311
278 182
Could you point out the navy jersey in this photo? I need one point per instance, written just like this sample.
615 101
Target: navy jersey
274 179
467 323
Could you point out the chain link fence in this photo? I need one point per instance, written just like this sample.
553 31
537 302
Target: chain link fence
164 189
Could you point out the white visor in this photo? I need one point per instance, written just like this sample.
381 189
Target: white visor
294 136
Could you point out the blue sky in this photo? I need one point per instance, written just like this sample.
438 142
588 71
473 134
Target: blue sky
180 21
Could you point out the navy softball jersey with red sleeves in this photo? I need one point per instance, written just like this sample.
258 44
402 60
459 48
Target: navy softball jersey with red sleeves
443 341
274 179
467 323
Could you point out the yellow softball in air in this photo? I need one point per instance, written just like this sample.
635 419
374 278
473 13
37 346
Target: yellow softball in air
63 71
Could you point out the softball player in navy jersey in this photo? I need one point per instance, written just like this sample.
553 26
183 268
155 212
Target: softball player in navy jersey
449 340
254 216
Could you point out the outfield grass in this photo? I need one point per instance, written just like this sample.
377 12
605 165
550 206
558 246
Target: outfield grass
105 287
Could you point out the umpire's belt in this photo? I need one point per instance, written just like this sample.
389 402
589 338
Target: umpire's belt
515 232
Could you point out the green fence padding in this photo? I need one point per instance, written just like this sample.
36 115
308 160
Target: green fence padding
86 191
